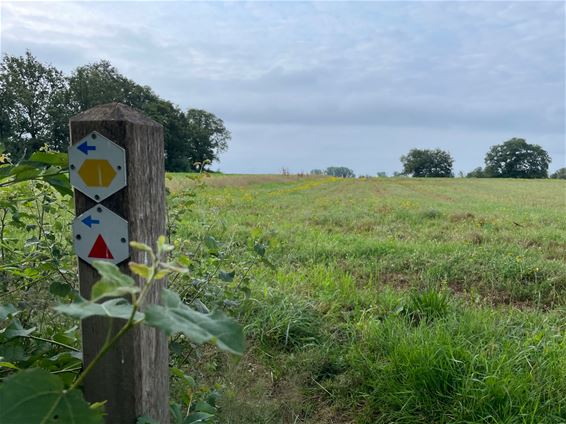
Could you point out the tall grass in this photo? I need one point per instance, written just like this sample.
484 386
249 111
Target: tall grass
400 300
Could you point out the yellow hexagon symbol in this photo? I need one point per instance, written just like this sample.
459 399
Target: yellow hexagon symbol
97 172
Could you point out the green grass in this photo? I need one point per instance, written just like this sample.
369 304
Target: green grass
394 299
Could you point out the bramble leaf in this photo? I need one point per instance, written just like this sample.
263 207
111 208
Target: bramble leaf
35 396
112 283
110 272
113 308
176 317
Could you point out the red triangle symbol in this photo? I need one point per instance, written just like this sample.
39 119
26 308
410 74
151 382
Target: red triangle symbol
100 249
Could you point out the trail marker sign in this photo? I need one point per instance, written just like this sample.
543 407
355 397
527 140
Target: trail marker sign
100 234
97 166
139 360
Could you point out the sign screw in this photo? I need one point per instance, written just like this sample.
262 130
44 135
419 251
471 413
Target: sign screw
96 197
123 240
78 237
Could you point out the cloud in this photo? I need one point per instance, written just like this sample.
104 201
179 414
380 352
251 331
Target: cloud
455 71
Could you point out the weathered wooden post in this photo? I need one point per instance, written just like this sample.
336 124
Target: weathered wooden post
133 377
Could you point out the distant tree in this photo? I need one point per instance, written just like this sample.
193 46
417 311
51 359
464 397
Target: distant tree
382 174
316 172
34 107
476 173
207 136
517 159
427 163
559 174
340 171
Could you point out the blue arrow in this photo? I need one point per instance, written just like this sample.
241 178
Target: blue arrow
85 148
89 221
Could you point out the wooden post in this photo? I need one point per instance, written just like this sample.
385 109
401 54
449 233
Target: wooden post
133 377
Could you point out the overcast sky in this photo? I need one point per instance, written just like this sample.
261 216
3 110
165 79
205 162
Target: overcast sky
309 85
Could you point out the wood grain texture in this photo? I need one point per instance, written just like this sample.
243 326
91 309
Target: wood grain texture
133 377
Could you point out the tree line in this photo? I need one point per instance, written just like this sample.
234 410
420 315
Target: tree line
37 100
514 158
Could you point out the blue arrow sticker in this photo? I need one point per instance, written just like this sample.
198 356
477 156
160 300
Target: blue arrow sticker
89 221
85 148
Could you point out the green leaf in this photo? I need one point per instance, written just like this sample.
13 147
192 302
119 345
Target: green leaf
198 417
174 268
60 289
268 263
8 365
35 396
141 246
162 246
259 249
176 413
176 317
12 352
109 289
111 272
204 407
113 283
227 276
15 329
186 378
142 270
146 420
60 183
25 172
162 274
113 308
212 244
51 158
7 311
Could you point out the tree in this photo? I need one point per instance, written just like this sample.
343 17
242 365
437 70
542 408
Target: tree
515 158
34 105
177 145
196 136
340 171
37 100
427 163
476 173
559 174
316 172
100 82
207 138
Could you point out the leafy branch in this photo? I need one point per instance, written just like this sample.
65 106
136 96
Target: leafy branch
109 299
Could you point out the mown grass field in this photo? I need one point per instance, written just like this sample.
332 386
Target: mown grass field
390 300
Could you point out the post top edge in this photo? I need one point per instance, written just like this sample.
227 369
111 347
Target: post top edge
114 112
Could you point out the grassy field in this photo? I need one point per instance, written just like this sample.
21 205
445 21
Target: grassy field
389 300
